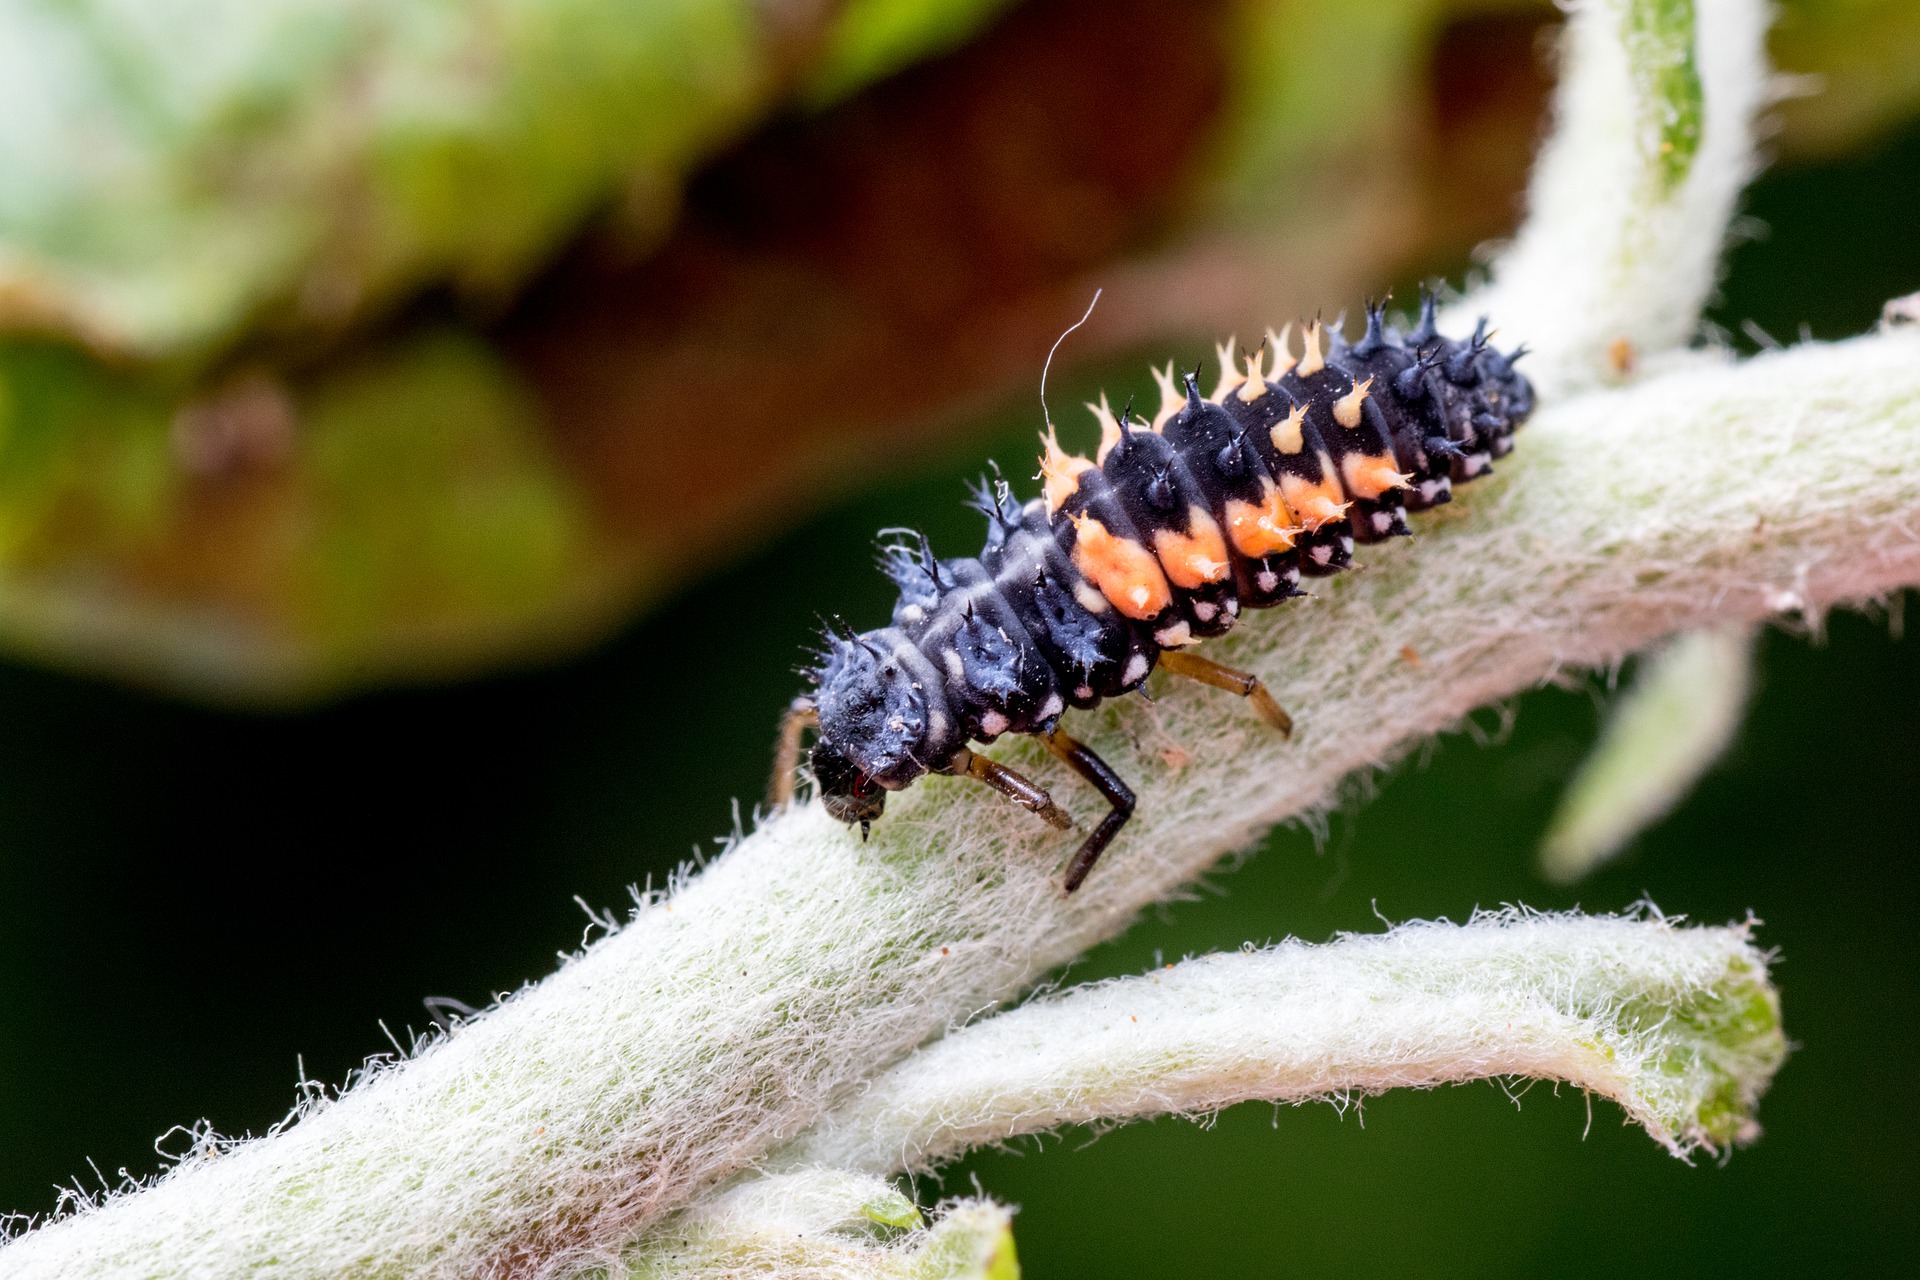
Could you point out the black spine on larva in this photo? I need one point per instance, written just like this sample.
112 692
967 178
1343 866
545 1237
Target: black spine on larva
1230 470
1152 483
1339 445
1303 463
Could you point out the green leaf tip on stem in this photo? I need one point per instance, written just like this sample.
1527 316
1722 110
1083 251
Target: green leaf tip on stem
1671 102
819 1223
976 1247
1720 1046
890 1208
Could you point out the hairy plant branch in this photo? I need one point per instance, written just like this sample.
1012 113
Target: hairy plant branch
1677 1025
1655 118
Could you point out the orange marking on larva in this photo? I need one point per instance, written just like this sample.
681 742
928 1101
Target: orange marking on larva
1256 384
1312 362
1316 502
1282 344
1370 475
1061 470
1286 432
1346 410
1230 377
1109 428
1171 401
1125 572
1262 529
1195 558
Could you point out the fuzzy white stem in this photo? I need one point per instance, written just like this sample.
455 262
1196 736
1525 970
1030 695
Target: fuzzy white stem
1628 210
1677 1025
1655 138
727 1020
1662 736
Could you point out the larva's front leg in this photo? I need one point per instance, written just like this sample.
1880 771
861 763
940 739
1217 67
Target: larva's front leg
801 716
1081 759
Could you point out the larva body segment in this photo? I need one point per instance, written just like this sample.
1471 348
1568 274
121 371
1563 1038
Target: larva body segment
1221 503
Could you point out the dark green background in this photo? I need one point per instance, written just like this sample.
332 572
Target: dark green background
193 899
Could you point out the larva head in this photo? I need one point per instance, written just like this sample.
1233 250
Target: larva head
874 717
848 794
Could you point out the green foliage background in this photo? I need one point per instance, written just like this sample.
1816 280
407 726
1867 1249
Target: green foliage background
194 898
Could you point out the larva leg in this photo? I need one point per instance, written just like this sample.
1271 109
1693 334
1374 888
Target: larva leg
1244 683
801 716
1017 787
1098 772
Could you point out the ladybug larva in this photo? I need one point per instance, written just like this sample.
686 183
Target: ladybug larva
1219 503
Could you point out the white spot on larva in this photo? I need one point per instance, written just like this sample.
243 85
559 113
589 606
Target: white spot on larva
1205 610
1292 576
1266 579
1174 636
1474 463
1140 596
1323 555
955 667
1053 706
1429 489
1136 670
1233 606
1781 600
1445 484
993 723
936 725
1090 599
1382 522
1083 691
1346 544
912 613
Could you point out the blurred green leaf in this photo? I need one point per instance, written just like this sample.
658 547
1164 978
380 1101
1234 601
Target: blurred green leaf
203 189
179 170
875 38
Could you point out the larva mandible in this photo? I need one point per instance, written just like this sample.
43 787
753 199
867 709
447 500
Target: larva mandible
1220 503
